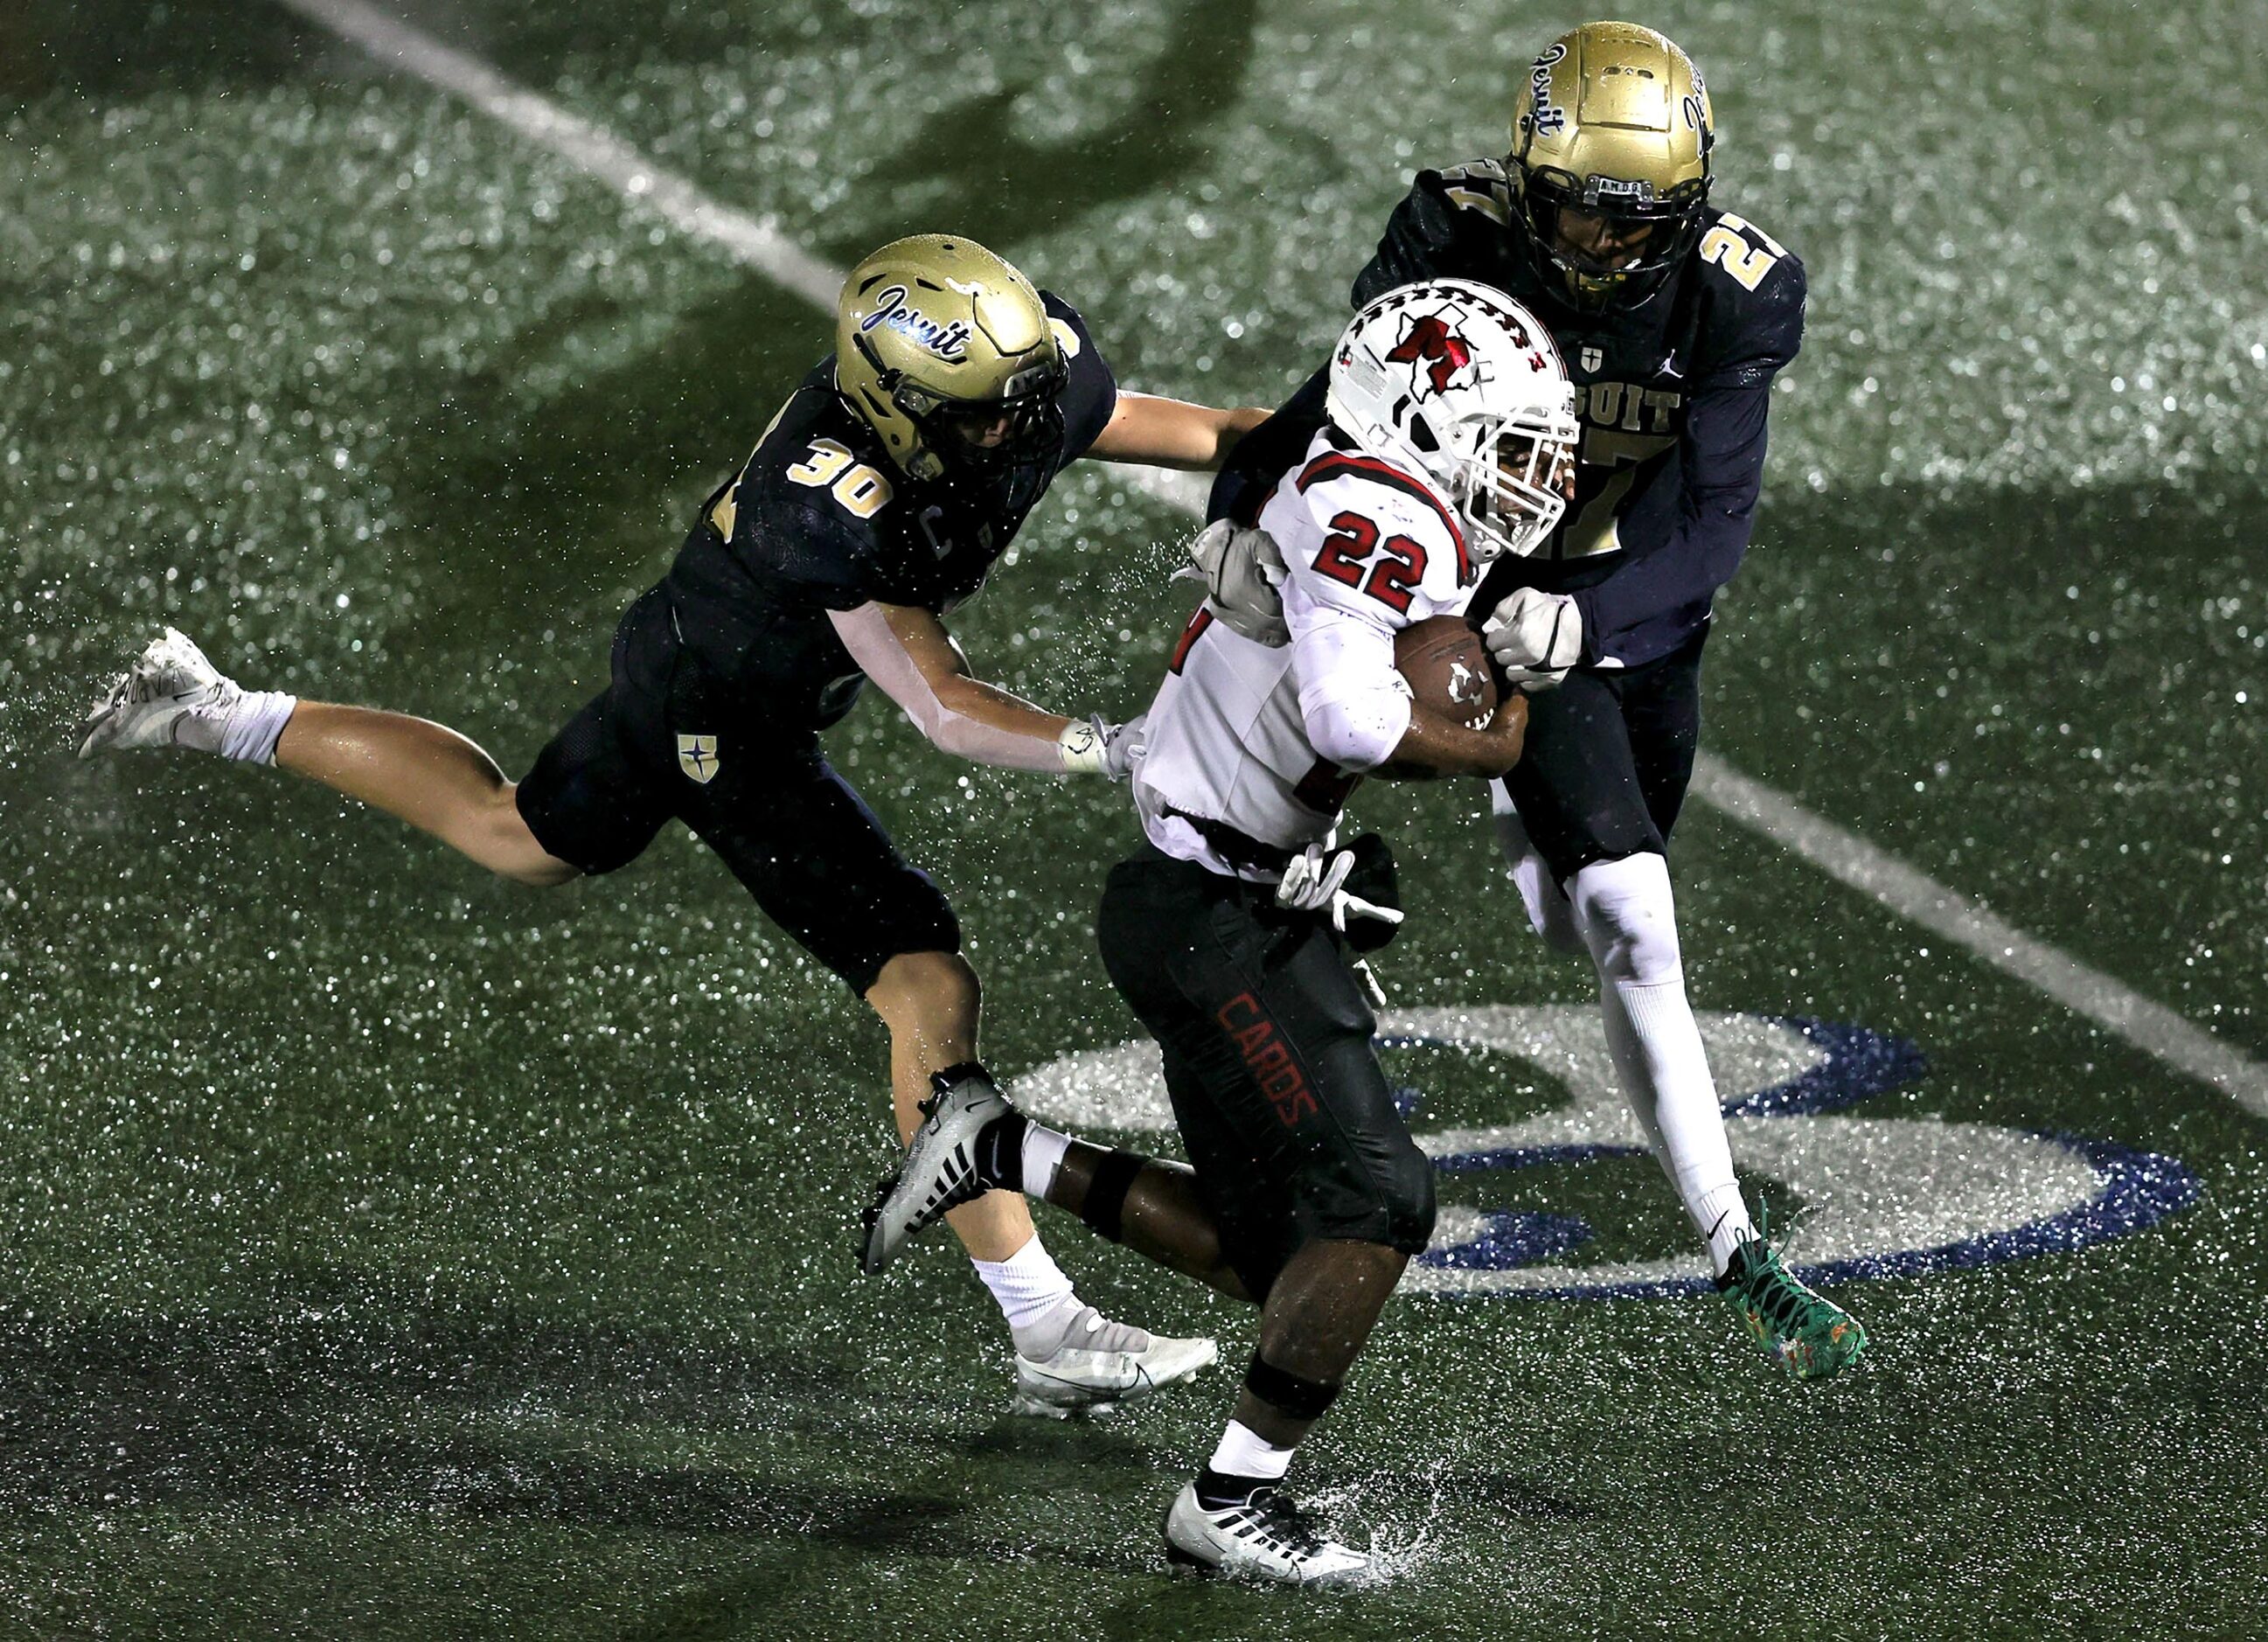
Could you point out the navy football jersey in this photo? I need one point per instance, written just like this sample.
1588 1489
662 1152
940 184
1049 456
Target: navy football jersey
820 519
1672 394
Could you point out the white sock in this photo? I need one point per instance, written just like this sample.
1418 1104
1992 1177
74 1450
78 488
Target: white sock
1244 1452
1029 1286
1671 1074
1729 1226
255 725
1043 1155
1548 910
1628 921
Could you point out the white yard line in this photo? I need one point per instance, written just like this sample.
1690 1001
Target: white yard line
1844 855
757 243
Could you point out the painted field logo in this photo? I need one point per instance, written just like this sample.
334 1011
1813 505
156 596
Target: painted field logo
1885 1196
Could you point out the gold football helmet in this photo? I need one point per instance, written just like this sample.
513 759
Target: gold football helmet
1609 162
946 351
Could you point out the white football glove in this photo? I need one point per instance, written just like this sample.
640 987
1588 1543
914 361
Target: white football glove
1312 883
1243 569
1091 747
1123 745
1535 636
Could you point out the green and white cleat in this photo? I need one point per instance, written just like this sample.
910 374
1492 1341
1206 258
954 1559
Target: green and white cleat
1801 1330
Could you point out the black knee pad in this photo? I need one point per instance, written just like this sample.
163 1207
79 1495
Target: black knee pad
1408 1190
1288 1394
1384 1199
1104 1208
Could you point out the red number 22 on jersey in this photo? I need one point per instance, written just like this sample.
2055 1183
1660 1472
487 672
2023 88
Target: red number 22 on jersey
1393 580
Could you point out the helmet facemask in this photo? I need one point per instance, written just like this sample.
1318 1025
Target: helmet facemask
1609 244
1512 490
1005 448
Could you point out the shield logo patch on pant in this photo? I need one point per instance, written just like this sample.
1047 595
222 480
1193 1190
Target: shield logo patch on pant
696 756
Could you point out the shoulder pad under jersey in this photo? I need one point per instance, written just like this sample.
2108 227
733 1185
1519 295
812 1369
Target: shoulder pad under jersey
1092 393
1753 287
1478 186
1360 535
1452 223
810 504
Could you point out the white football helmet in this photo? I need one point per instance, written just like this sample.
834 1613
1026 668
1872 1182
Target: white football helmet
1456 383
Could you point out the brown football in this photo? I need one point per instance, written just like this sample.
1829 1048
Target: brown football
1447 667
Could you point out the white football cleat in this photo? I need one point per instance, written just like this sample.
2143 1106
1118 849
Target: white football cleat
1265 1536
939 1171
1101 1365
171 696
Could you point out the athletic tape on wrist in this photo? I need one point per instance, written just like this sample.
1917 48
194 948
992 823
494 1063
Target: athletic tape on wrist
1288 1394
1083 748
1104 1206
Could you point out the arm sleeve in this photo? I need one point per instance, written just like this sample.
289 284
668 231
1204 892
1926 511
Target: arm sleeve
1355 706
1262 456
865 633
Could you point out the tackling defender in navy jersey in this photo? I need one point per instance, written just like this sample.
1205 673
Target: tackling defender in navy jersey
1674 316
876 501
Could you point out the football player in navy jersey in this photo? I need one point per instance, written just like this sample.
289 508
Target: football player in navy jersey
876 501
1674 316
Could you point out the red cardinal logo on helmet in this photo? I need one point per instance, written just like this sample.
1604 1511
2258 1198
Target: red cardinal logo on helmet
1444 351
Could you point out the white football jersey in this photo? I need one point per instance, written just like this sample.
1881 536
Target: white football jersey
1369 550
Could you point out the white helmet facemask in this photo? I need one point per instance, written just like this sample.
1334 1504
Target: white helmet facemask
1457 383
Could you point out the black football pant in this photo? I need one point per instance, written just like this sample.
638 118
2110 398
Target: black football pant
664 741
1287 1116
1607 758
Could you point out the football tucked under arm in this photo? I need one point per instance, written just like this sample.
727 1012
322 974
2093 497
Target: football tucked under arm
1355 706
909 655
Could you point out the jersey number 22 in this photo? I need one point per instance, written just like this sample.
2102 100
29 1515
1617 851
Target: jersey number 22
1393 580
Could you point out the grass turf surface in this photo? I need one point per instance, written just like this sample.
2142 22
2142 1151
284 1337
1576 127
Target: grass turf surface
395 1254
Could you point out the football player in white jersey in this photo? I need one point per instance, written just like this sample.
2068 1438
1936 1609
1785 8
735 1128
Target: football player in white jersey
1450 442
1677 317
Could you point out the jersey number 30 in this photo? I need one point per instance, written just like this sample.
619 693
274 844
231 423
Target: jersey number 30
862 492
1393 580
